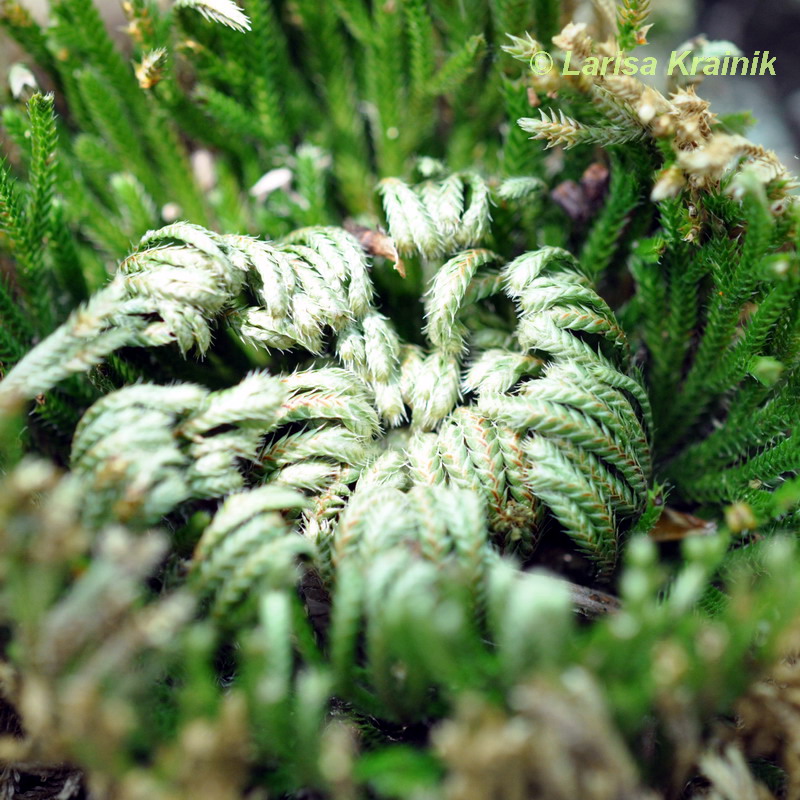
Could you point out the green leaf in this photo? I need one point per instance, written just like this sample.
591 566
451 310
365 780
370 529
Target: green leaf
399 771
459 66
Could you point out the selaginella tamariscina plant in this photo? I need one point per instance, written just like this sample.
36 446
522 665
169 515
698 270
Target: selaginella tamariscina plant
312 361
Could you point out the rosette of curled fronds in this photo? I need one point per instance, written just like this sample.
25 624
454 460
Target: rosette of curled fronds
522 395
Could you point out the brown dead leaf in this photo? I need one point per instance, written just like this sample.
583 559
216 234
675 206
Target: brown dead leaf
674 525
376 243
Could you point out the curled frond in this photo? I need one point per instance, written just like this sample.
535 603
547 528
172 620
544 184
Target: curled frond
447 295
436 389
225 12
410 223
246 544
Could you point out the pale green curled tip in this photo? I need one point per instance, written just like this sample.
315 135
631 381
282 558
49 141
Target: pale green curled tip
436 390
455 457
531 265
183 286
99 419
574 499
253 401
359 289
444 199
518 188
225 12
434 218
351 348
341 261
486 458
312 475
444 299
355 518
251 551
242 507
411 361
433 520
386 469
424 459
466 514
273 278
382 348
333 442
496 370
410 223
476 218
261 328
329 394
185 232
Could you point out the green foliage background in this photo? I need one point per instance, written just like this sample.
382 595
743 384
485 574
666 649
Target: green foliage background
324 412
